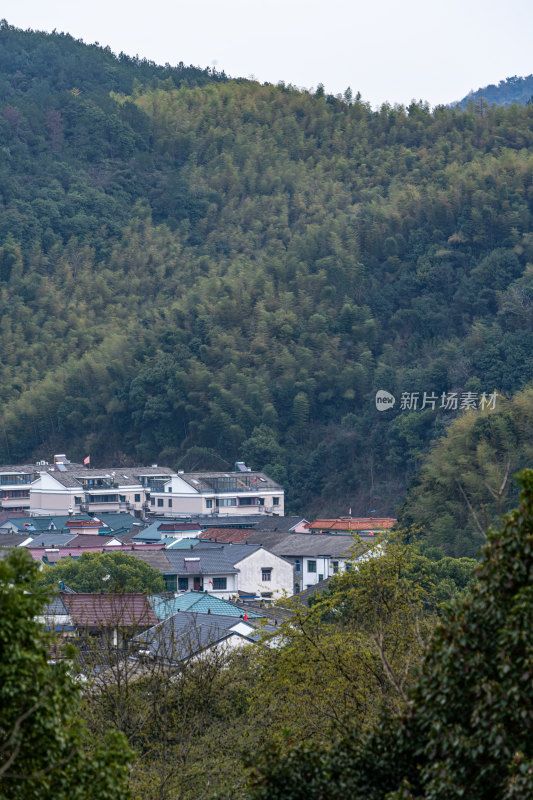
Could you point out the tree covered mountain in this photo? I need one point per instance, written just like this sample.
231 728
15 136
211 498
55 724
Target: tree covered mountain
505 93
194 270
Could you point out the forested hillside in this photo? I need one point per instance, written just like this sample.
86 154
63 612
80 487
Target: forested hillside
195 270
505 93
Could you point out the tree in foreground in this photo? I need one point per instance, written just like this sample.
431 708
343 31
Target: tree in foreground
109 572
468 730
45 751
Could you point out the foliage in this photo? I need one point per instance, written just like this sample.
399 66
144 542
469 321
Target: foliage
511 90
466 483
109 572
195 265
45 750
467 731
354 652
186 725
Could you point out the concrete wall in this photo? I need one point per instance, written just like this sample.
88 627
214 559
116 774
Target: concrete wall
250 573
49 497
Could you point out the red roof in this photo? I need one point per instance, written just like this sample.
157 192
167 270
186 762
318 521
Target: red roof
352 524
82 523
110 610
233 535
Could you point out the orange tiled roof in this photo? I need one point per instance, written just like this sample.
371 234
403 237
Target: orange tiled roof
352 524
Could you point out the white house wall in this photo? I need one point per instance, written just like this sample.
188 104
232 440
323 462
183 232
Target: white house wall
250 573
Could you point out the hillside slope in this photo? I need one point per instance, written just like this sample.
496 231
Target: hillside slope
194 270
505 93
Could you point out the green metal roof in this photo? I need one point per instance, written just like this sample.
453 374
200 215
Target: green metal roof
198 603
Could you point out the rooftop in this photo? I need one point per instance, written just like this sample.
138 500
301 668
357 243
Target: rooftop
352 524
306 544
229 481
185 634
199 603
207 561
127 610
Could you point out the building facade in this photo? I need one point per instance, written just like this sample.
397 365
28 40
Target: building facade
63 487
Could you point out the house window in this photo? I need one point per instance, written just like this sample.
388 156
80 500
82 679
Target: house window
122 498
170 583
348 567
320 577
219 583
160 502
266 574
170 502
78 501
297 565
137 498
311 566
275 501
227 501
170 488
183 584
209 504
152 501
335 565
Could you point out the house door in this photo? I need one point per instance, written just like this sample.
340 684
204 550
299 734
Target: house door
198 584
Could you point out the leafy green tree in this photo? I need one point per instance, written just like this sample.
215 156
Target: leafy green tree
465 484
109 572
354 651
467 729
45 749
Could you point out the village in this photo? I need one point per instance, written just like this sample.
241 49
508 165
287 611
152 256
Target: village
220 541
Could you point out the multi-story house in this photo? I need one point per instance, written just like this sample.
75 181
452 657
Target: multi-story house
315 557
217 493
15 487
67 488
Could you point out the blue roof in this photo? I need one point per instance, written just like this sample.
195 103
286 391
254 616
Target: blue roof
181 544
199 603
149 534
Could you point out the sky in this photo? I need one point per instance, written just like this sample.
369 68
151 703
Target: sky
431 50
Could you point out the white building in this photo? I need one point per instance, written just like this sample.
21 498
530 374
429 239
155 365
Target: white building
67 488
217 494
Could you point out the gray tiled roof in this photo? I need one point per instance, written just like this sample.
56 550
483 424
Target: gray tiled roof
13 539
51 539
64 478
185 634
236 552
212 561
55 607
123 476
155 558
306 544
245 481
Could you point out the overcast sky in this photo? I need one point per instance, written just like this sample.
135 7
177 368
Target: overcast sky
434 50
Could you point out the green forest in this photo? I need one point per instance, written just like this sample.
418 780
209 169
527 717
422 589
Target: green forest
196 270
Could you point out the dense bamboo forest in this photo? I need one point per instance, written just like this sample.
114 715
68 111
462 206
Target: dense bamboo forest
195 270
